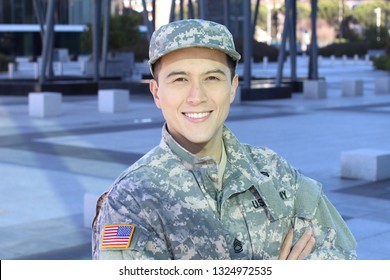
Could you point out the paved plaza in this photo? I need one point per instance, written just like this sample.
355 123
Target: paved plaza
47 165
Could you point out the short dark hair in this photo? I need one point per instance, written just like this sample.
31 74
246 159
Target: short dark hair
232 66
230 63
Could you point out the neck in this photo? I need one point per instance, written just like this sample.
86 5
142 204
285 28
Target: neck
212 148
214 151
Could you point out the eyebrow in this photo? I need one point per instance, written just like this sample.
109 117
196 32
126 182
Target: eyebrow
213 71
176 73
216 71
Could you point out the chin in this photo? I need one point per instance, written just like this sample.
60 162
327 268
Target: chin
199 140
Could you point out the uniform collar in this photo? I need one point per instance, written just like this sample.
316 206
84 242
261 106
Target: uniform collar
189 160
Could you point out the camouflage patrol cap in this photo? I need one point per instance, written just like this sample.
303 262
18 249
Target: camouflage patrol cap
191 33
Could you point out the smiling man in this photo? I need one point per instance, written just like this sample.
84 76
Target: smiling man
201 194
194 92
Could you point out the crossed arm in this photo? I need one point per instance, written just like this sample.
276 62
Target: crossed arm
302 248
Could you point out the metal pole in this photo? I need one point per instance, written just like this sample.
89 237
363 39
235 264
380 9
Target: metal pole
41 20
387 16
40 17
153 15
96 38
282 48
47 40
202 9
247 44
313 58
256 15
50 29
181 10
226 13
172 14
191 13
147 21
1 11
341 17
50 41
106 32
293 40
12 3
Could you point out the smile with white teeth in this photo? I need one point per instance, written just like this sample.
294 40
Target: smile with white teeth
197 115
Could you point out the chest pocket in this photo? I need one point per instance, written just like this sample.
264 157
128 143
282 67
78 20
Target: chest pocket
260 227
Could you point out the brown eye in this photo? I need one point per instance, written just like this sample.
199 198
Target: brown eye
212 78
180 80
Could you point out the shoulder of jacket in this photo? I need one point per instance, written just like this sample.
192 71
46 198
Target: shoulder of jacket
306 191
308 195
260 152
269 162
150 162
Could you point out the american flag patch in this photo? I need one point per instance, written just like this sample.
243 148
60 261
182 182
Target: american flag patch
117 236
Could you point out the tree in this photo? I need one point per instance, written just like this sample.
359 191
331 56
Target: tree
124 33
303 10
365 15
376 36
349 33
336 12
329 10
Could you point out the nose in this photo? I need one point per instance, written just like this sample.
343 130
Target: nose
196 94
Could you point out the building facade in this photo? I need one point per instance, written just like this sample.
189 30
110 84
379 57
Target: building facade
20 31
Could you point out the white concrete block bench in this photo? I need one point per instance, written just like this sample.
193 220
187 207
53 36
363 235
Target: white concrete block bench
314 89
352 88
44 104
382 85
365 164
113 100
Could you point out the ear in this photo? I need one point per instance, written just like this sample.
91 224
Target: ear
153 87
235 83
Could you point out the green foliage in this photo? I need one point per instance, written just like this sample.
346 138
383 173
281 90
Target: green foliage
372 36
387 47
340 49
303 10
141 49
259 51
330 11
365 14
347 32
4 60
262 17
123 34
7 43
86 40
382 62
362 14
350 35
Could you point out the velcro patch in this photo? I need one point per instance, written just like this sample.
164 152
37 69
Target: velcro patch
117 236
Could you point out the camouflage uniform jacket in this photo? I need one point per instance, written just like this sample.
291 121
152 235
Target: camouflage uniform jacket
170 197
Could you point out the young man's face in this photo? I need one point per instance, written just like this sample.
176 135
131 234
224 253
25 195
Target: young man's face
194 92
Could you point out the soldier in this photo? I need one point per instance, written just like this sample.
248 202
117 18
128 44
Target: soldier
201 194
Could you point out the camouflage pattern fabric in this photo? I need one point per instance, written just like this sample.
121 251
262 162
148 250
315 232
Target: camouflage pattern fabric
171 197
191 33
